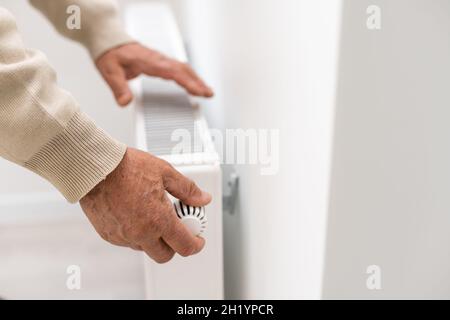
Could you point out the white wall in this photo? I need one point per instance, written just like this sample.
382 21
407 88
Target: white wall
273 65
391 179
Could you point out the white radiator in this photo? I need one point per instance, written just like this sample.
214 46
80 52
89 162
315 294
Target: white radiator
162 109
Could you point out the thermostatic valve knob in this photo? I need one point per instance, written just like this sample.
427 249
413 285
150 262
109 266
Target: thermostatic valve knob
194 218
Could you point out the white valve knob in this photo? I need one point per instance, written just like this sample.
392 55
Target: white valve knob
194 218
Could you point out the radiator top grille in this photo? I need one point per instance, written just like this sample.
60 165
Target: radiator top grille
166 109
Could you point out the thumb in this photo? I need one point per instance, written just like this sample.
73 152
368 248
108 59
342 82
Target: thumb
115 76
185 189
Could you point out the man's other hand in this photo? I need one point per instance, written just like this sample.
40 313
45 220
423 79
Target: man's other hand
131 208
120 64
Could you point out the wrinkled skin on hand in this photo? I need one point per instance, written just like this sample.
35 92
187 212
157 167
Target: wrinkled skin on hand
120 64
131 208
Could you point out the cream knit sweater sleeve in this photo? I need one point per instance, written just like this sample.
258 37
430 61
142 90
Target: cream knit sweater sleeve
100 26
41 126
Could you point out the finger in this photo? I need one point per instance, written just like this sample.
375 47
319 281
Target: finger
188 79
184 189
180 239
207 91
115 76
158 250
181 73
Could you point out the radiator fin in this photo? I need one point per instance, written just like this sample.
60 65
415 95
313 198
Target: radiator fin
167 109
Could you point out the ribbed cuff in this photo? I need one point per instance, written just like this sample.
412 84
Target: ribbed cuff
78 158
109 33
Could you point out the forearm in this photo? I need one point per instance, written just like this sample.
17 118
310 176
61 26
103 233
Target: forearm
100 25
41 126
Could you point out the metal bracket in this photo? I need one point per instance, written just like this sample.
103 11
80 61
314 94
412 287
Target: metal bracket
229 200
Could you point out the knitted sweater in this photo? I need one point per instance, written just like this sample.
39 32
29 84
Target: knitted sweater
41 125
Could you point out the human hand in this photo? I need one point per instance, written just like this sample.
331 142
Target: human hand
120 64
130 207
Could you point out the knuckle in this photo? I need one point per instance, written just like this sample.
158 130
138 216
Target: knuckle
105 235
136 247
112 239
167 171
166 168
164 259
109 68
186 252
184 66
167 67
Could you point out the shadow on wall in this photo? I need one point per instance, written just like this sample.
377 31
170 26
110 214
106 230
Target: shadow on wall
390 179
